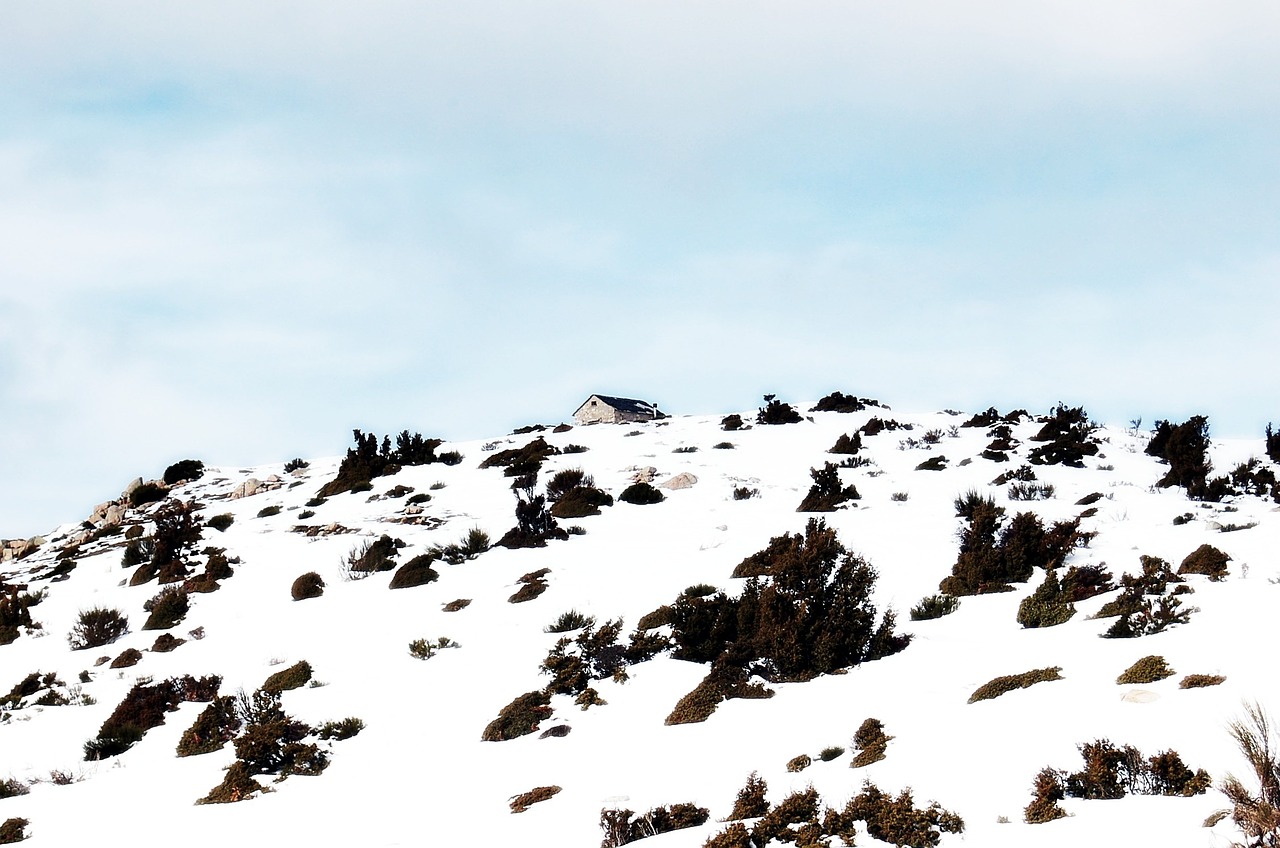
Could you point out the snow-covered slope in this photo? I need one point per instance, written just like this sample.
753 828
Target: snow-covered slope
420 774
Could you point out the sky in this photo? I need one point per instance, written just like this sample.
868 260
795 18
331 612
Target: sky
237 231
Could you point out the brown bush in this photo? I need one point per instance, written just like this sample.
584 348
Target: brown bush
522 802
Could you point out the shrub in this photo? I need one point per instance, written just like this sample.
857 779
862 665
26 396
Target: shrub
15 611
998 686
898 820
642 494
731 422
143 708
216 725
535 524
294 677
221 522
899 497
569 620
775 411
620 829
1199 681
336 731
936 463
876 425
580 502
742 493
871 743
128 658
316 502
1146 670
167 642
519 462
369 557
167 608
368 460
97 627
723 446
934 606
421 649
830 753
1031 491
1067 434
520 717
532 585
268 511
187 469
1047 791
13 830
656 618
456 605
11 788
273 742
1254 813
847 444
145 494
415 572
296 464
1207 560
799 763
826 493
522 802
307 586
1047 606
750 803
237 785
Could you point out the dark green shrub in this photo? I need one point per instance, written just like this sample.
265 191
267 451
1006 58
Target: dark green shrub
368 460
1110 771
1206 560
532 585
456 605
830 753
520 717
216 725
143 708
1067 434
1185 448
1047 791
415 572
268 511
810 613
1149 669
167 608
296 464
522 461
567 480
522 802
273 742
307 586
574 449
826 493
220 522
775 411
187 469
731 422
838 402
723 446
934 606
936 463
656 618
641 494
316 502
847 444
370 557
97 627
421 649
1085 581
580 502
569 620
876 425
13 830
791 820
15 610
743 493
145 494
1199 681
1000 685
535 525
128 658
293 677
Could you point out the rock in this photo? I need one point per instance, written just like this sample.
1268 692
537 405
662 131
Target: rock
1139 696
114 515
643 475
247 488
128 490
683 480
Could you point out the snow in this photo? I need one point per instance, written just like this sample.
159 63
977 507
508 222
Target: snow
419 772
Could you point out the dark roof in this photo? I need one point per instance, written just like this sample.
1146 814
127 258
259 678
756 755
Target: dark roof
628 404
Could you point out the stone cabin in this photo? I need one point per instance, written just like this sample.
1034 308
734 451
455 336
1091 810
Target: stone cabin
615 410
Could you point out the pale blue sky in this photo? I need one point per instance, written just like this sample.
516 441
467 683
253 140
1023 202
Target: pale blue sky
234 231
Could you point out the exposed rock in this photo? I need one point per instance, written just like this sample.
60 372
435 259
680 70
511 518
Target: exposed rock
643 475
247 488
128 490
683 480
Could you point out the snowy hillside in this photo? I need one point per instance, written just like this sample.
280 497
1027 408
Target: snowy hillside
419 773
